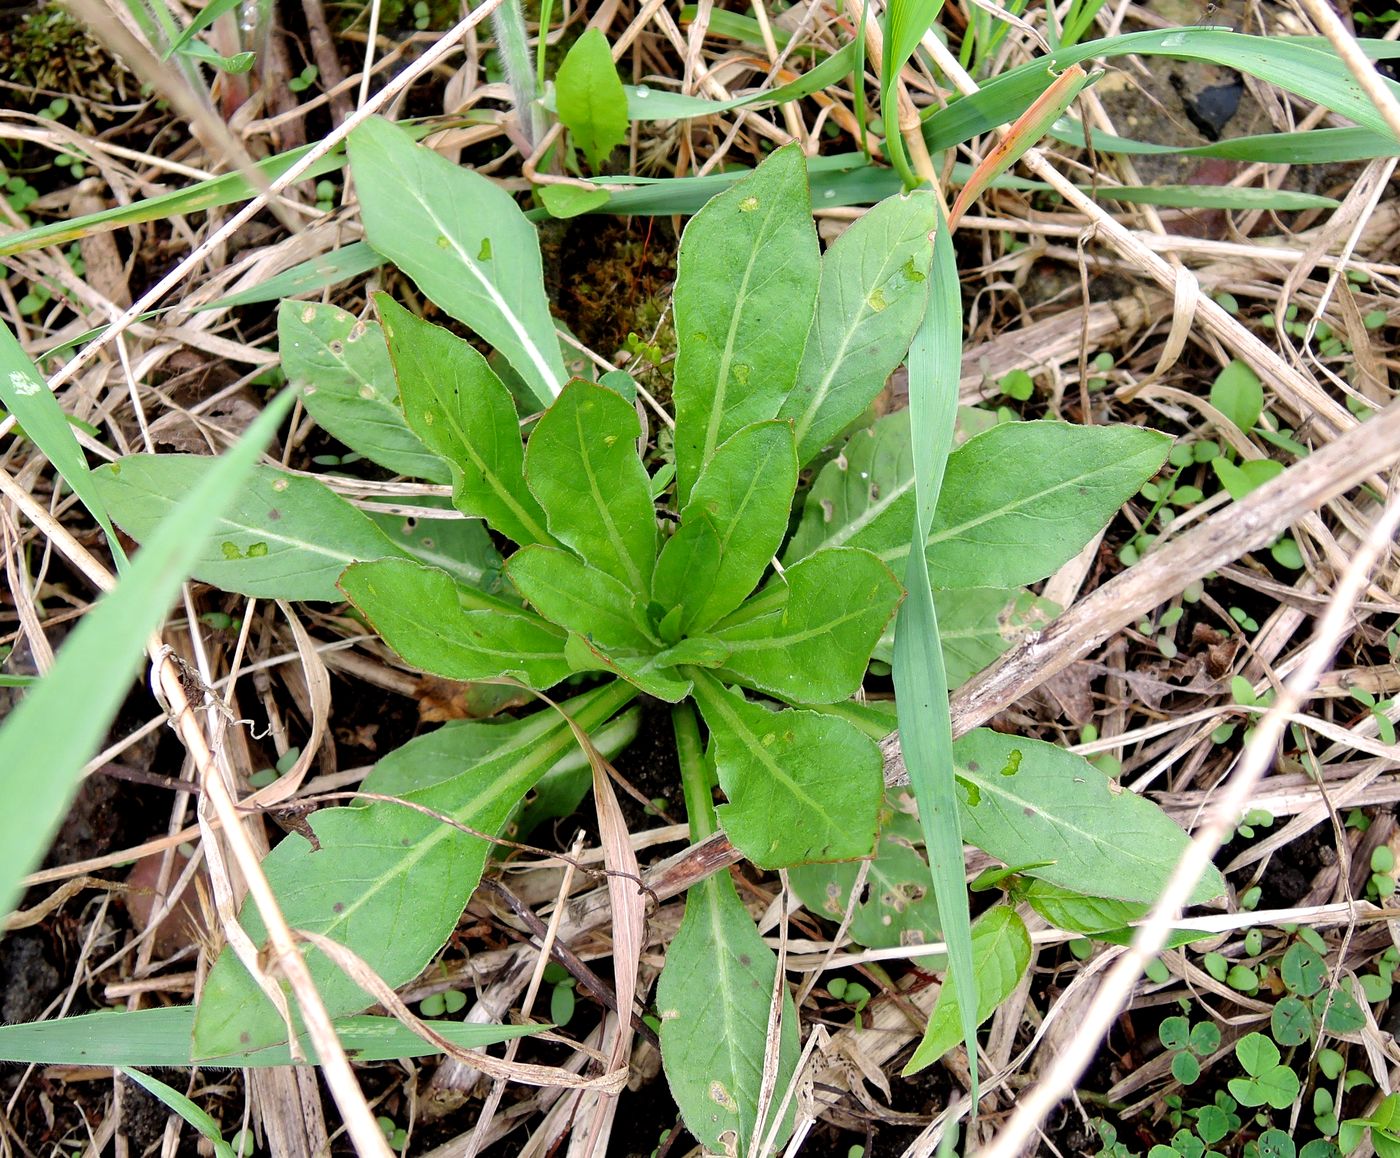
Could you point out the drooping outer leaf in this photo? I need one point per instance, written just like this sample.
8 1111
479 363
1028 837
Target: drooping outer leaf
389 882
807 636
1001 950
465 243
746 281
342 369
871 298
590 99
731 527
580 598
1034 801
713 998
1018 500
582 466
897 906
161 1037
801 786
455 403
443 627
280 536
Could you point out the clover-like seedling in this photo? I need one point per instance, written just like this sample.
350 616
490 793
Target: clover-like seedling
1269 1081
1190 1043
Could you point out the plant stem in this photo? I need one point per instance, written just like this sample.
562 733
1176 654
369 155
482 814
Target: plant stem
695 776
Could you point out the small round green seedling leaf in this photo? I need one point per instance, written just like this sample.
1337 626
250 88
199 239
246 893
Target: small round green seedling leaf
1238 394
1303 969
1205 1038
1212 1124
1319 1148
1185 1068
562 1000
1331 1063
1291 1021
1217 965
1242 978
1280 1087
1344 1014
1276 1144
1257 1054
1174 1032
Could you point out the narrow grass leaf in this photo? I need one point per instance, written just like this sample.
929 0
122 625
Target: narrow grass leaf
802 787
746 285
182 1105
713 1000
45 742
589 97
920 679
464 242
279 536
364 886
1311 147
310 276
341 365
26 395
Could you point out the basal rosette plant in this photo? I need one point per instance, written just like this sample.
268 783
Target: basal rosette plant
711 576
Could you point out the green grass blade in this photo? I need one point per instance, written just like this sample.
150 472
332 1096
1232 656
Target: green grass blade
191 1113
1304 66
921 682
1313 147
45 742
905 23
25 395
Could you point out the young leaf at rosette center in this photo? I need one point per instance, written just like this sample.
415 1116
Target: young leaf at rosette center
341 367
443 627
713 998
739 514
590 98
1001 950
874 287
646 673
802 787
455 403
1028 801
464 242
580 598
807 636
582 466
280 537
897 906
746 283
387 882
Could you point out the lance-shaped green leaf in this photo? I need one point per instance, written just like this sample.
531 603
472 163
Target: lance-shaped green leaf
582 466
802 787
713 999
280 537
451 630
645 672
731 527
1075 912
461 547
580 598
807 636
341 367
1017 501
590 98
896 906
977 624
870 301
1027 801
464 242
746 281
459 408
1001 950
388 882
